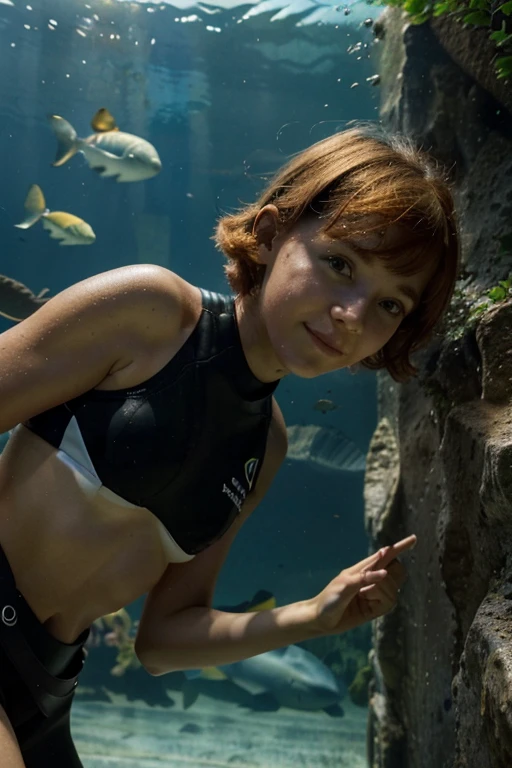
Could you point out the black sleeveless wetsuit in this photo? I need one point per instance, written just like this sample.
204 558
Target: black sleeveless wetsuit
187 444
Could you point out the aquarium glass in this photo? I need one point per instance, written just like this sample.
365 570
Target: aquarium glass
225 93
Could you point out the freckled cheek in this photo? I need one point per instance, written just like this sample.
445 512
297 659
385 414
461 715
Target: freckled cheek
293 262
289 290
378 332
293 289
382 332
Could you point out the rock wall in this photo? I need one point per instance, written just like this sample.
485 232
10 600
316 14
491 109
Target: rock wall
440 462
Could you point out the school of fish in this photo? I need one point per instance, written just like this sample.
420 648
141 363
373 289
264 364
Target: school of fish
109 152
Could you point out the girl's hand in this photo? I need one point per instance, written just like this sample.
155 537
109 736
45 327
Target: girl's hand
363 592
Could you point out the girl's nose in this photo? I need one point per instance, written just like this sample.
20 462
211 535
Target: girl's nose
351 313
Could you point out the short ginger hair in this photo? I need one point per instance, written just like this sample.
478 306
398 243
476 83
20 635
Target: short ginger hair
355 173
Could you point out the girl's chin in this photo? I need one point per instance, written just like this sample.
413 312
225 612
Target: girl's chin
304 369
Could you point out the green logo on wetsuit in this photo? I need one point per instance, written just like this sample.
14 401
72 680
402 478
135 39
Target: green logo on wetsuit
250 471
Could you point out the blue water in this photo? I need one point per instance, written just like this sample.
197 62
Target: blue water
225 97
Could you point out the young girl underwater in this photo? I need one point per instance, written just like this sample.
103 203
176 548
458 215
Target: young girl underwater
145 430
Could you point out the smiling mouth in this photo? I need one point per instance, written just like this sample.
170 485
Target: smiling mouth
323 345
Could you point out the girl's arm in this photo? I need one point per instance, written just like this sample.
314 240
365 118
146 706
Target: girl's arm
179 629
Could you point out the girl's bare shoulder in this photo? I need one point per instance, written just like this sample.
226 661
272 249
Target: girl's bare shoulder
138 293
88 332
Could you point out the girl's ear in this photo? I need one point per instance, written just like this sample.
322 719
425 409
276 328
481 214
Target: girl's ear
265 229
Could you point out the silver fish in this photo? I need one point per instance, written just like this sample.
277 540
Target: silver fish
65 227
325 448
109 151
324 405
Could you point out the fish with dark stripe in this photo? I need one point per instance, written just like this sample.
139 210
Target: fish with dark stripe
17 301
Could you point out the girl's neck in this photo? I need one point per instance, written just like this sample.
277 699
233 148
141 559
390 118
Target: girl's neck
259 353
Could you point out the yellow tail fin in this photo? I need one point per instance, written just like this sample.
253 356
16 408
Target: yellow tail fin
35 207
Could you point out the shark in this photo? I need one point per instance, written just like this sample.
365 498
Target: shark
285 677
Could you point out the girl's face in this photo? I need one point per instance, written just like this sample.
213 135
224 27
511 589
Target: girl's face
325 306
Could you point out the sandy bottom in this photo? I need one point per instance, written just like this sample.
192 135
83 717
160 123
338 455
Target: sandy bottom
213 734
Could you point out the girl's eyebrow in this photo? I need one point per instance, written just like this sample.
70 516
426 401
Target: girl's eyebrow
365 253
408 291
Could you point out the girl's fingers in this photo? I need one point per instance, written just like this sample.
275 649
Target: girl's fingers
403 545
383 588
394 550
389 586
385 555
368 562
372 578
356 581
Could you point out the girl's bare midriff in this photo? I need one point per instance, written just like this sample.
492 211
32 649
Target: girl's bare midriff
74 556
77 555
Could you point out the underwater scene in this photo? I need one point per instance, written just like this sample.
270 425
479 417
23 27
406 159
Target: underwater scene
128 128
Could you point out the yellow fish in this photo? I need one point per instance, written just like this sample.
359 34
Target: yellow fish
69 229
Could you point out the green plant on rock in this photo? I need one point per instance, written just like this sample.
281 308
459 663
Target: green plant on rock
489 14
496 294
467 306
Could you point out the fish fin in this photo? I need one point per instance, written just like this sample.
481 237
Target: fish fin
190 694
334 710
68 142
192 674
264 702
103 121
207 673
251 686
29 221
35 207
16 300
325 447
213 673
262 600
10 317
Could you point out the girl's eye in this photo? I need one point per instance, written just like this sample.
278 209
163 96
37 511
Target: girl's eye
340 265
393 307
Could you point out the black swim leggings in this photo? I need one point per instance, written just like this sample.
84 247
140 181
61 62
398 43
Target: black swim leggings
38 677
